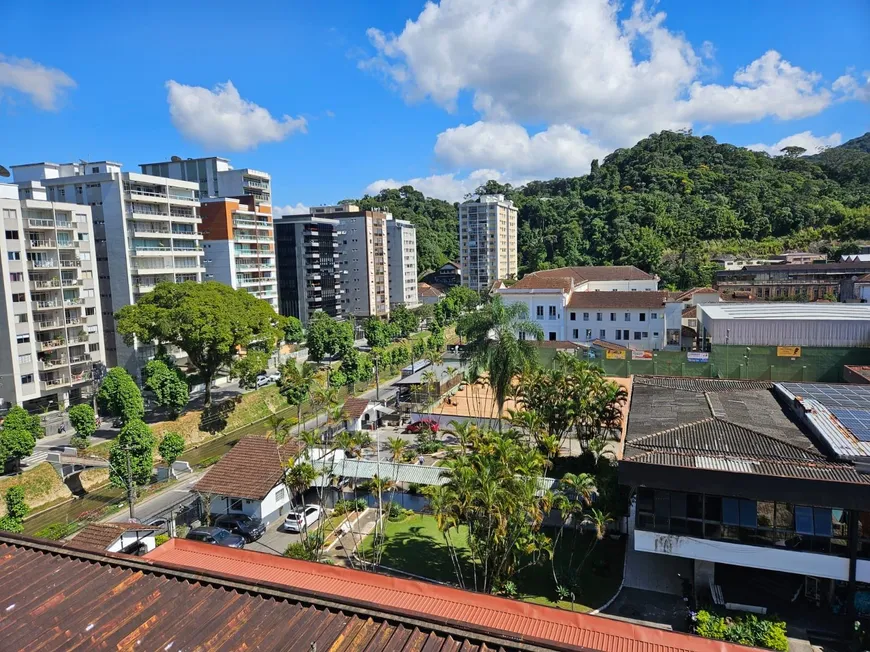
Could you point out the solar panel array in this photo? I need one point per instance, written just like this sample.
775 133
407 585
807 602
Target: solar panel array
849 403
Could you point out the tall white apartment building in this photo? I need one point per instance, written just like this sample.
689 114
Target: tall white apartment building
487 240
362 248
239 244
51 334
216 177
402 256
145 232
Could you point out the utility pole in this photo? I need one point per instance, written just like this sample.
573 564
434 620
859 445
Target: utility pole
130 488
377 379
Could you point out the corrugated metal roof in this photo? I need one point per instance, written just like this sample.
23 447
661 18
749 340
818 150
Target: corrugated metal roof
55 598
701 384
780 311
532 623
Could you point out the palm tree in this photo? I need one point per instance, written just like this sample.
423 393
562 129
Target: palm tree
396 446
279 428
295 385
494 344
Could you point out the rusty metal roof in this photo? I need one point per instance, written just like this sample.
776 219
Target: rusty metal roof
554 628
250 470
55 598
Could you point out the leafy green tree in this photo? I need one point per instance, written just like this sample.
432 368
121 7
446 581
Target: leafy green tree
495 347
16 510
406 321
293 331
295 385
209 321
119 396
84 422
136 441
16 443
171 447
169 385
376 332
247 368
328 337
20 419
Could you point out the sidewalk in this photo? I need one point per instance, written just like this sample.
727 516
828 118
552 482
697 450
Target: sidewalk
347 544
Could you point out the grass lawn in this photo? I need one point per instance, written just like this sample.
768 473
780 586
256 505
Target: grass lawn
415 545
43 487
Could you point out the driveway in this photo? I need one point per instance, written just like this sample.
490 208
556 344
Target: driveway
275 540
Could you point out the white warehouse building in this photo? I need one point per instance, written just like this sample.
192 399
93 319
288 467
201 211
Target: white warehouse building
785 324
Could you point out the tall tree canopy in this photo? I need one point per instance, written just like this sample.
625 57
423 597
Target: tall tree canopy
327 337
209 321
119 396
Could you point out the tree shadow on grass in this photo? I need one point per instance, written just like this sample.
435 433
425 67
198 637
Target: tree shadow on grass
214 418
419 552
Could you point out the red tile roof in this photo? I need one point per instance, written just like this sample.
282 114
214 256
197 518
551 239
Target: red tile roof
530 623
426 290
688 294
690 313
535 282
57 598
598 273
354 408
99 536
250 470
604 300
864 279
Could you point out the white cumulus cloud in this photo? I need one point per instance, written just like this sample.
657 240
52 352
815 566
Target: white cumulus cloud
579 64
854 88
221 118
44 86
450 187
560 150
290 209
806 139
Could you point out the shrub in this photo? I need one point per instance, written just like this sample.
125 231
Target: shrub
160 539
300 551
80 441
347 506
56 531
415 489
393 511
209 461
746 630
9 524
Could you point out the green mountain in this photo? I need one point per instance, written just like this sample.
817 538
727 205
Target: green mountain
667 205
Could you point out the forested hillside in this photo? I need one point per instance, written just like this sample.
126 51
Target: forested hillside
668 204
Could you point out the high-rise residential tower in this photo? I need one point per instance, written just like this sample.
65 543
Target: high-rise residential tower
239 245
215 176
487 240
309 269
145 231
402 255
50 333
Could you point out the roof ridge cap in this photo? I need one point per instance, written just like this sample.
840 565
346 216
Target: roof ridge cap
771 438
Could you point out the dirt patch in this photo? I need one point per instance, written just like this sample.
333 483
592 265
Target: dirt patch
42 486
93 478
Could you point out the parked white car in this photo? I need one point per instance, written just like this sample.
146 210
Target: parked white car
263 380
302 518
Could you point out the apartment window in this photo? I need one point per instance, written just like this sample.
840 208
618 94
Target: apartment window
90 311
602 334
613 316
575 334
539 311
87 294
16 276
22 318
94 347
645 334
654 315
637 335
27 358
655 334
552 336
618 334
85 255
13 255
9 214
585 316
552 312
628 316
625 335
95 170
18 297
83 237
23 338
599 316
26 379
573 316
643 316
12 235
588 333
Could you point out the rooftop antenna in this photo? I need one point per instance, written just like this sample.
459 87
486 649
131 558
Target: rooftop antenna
4 172
175 159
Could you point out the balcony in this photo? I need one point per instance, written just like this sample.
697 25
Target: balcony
81 377
74 321
144 232
80 359
51 383
186 234
42 264
64 224
148 194
71 263
40 244
44 285
51 363
141 213
70 282
47 305
251 183
76 301
150 251
48 324
47 345
254 266
184 198
67 244
40 224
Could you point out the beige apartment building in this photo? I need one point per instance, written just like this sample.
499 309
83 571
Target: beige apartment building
487 240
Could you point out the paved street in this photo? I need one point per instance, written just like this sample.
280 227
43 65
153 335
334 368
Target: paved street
163 502
275 540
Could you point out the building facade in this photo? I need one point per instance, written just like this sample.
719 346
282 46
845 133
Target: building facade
145 231
487 241
448 275
796 282
239 245
53 337
402 256
216 177
309 268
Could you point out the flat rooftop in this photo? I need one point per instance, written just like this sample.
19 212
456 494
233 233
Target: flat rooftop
788 311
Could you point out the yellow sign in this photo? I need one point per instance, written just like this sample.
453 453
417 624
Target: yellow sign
614 355
788 351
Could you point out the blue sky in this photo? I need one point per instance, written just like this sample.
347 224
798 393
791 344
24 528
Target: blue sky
466 91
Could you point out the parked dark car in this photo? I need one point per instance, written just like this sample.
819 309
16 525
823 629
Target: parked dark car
217 536
243 525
